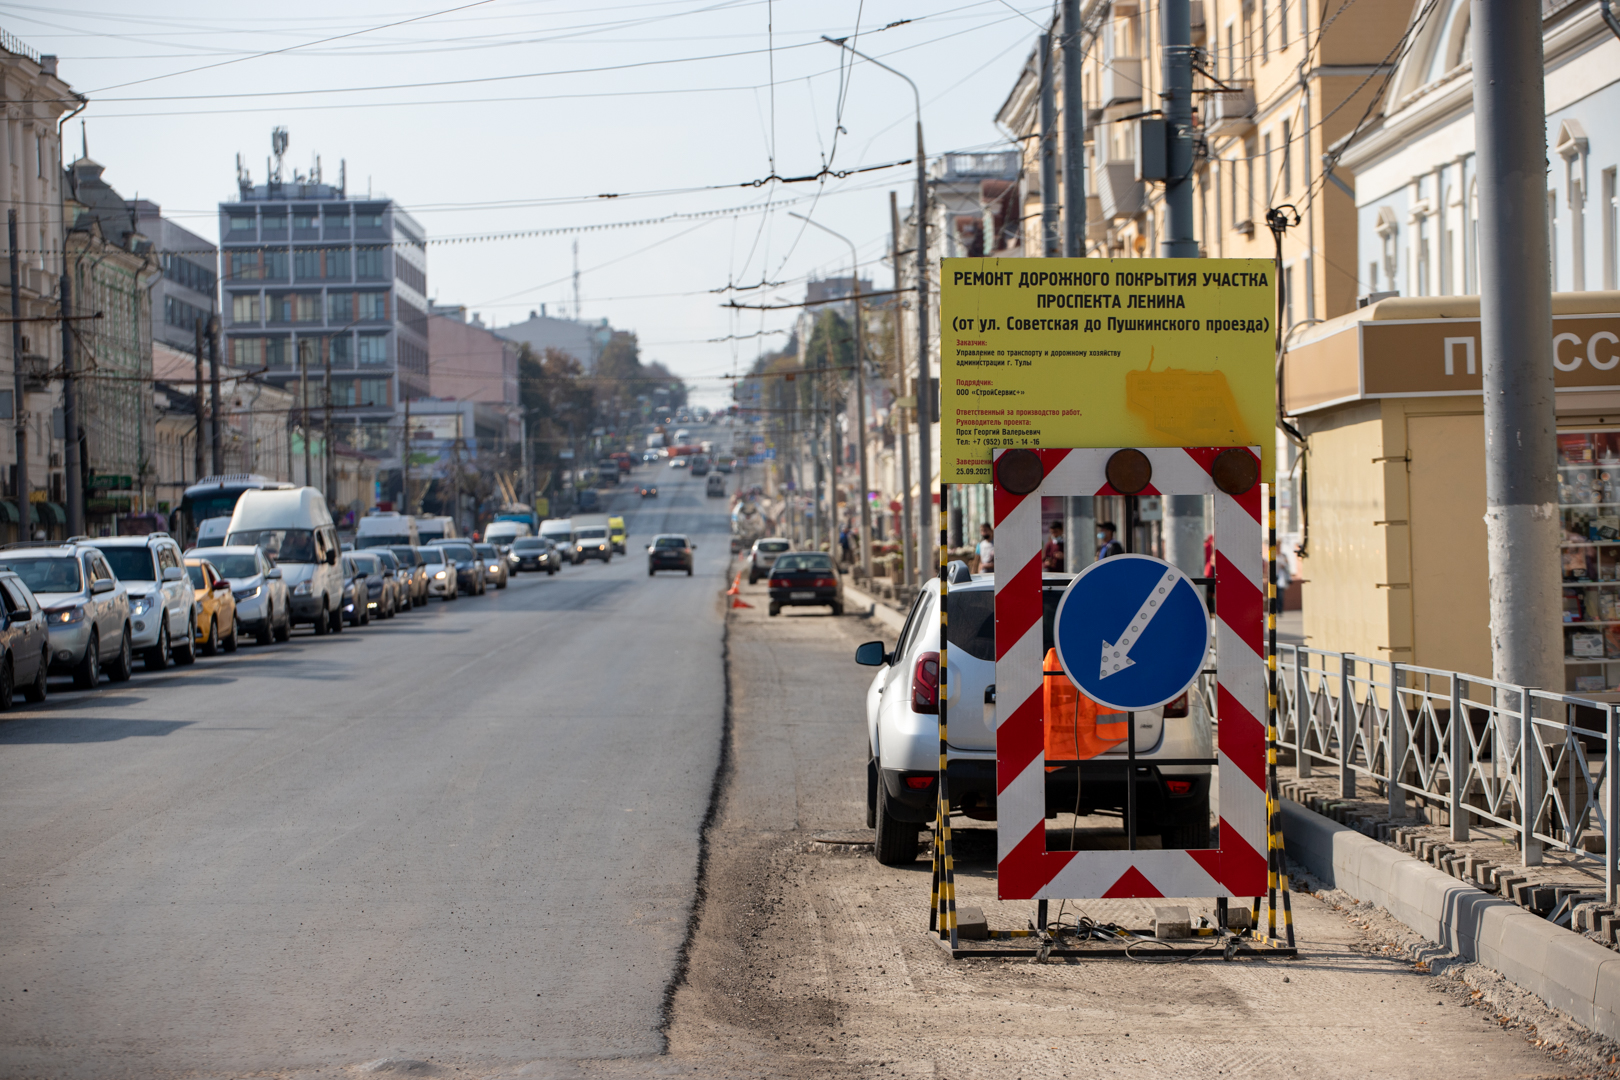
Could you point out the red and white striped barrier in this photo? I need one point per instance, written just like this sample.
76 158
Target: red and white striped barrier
1025 869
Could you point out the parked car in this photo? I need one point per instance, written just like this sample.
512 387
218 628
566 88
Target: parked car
294 528
263 607
469 567
160 601
903 741
414 570
494 564
762 556
397 579
86 609
356 591
382 592
25 643
649 492
805 579
669 551
536 553
215 608
441 572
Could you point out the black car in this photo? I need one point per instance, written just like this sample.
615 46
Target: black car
535 553
669 551
805 579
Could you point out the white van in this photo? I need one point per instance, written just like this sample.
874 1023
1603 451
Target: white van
295 529
386 529
430 529
502 533
591 539
560 531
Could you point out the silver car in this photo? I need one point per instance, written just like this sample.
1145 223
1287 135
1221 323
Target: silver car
762 556
263 607
86 609
160 596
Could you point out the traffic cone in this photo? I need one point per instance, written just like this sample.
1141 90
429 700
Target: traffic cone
733 592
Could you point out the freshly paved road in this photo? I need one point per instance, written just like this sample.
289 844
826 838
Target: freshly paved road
469 834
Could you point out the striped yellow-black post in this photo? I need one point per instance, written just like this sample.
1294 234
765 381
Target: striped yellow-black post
1274 838
942 832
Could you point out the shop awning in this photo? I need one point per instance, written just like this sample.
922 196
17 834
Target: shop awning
49 513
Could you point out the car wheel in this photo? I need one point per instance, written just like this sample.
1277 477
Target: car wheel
87 676
550 570
230 642
502 585
160 655
124 666
1186 828
651 572
38 689
186 654
873 782
8 684
775 608
284 631
838 609
365 614
323 622
896 841
753 578
211 642
336 621
267 632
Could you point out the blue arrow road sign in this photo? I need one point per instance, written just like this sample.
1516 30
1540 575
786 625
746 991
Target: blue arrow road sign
1131 632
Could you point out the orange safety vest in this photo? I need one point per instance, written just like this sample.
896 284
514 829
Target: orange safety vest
1077 728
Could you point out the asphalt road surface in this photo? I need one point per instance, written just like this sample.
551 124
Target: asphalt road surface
469 833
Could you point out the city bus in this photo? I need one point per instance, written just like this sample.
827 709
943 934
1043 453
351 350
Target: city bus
215 497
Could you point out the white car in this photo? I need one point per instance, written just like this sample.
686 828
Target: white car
160 596
762 556
902 725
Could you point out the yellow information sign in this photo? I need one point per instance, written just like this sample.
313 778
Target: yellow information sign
1104 352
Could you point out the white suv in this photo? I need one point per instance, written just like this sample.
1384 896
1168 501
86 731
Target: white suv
762 556
161 598
902 725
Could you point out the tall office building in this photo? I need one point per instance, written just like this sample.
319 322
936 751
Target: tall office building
315 276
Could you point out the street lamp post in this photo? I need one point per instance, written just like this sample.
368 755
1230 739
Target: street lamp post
924 388
860 395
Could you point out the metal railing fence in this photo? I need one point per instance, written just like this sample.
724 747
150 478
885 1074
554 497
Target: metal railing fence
1482 750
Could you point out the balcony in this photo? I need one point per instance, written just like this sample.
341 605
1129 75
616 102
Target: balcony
1121 80
1118 190
1230 112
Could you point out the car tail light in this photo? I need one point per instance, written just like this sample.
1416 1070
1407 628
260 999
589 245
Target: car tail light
925 684
1177 707
918 783
824 583
1179 787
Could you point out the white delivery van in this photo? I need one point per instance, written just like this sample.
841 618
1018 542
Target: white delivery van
502 533
560 531
591 540
429 529
294 527
386 529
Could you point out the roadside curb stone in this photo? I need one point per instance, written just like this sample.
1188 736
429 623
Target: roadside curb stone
1564 969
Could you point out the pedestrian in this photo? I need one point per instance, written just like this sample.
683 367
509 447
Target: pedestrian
843 543
1106 544
1052 553
987 548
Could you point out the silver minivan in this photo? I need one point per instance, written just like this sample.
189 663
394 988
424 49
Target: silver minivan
294 527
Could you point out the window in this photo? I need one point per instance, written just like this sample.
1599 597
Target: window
307 264
275 219
247 352
1611 238
245 308
177 312
1552 237
410 274
306 220
275 352
372 350
278 307
374 305
337 264
307 307
372 392
1266 168
1288 296
245 266
342 351
192 275
242 223
369 263
338 220
1249 149
340 307
368 220
1282 24
1287 158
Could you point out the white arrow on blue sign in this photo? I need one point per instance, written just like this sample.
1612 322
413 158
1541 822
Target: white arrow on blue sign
1131 632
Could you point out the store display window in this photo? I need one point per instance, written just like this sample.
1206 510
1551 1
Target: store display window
1589 513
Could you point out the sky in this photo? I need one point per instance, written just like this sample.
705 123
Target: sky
508 116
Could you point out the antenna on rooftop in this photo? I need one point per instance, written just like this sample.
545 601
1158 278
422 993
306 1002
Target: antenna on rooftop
576 280
278 146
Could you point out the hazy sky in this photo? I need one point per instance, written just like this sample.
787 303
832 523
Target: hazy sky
519 133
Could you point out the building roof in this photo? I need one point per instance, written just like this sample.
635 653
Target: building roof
102 205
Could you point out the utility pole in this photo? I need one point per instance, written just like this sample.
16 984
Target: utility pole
835 454
1074 137
860 436
1180 240
197 402
217 437
1515 309
70 416
329 473
303 401
19 386
908 569
405 459
1049 182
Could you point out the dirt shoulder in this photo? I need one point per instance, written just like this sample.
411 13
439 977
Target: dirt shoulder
811 960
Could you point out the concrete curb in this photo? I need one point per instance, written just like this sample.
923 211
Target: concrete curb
1565 970
880 611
